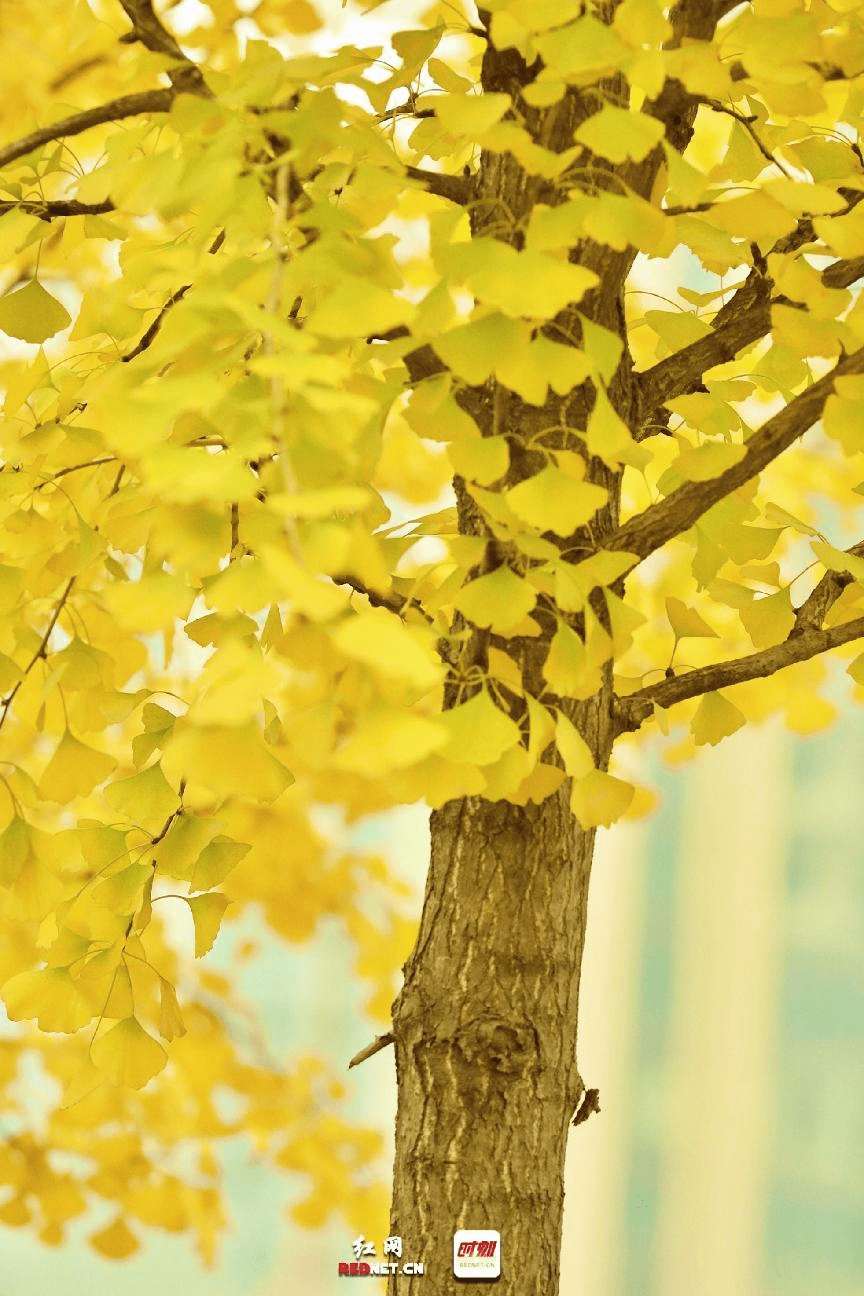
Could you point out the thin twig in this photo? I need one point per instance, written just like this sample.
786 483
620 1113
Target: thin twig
747 122
380 1042
39 653
149 336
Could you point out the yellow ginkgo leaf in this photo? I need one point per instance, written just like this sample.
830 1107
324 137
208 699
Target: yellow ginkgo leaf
568 669
150 603
480 459
701 463
115 1242
14 849
380 640
49 995
389 740
768 620
856 669
145 796
216 861
479 731
619 135
127 1055
11 673
499 599
123 890
598 799
686 623
74 770
716 718
299 17
468 114
32 314
207 914
170 1018
838 560
607 435
118 1001
555 501
226 760
574 750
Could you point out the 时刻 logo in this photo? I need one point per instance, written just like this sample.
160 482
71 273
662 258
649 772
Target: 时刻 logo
477 1253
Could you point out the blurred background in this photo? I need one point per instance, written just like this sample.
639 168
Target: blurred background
722 1019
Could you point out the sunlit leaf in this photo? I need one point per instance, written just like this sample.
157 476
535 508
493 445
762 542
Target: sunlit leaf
716 718
598 799
207 914
127 1055
32 314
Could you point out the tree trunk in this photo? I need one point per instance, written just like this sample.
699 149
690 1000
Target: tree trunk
485 1038
485 1025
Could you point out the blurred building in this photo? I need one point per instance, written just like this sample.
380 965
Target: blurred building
723 1021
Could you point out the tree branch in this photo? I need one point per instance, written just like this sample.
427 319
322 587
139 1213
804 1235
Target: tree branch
632 711
149 30
812 612
148 101
589 1105
40 652
149 335
747 122
393 601
422 362
380 1042
648 531
456 189
398 604
77 69
843 273
739 323
51 209
696 19
684 369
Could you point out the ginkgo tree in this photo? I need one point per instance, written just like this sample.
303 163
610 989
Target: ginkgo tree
572 283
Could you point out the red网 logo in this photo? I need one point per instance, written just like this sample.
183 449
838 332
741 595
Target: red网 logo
360 1268
477 1253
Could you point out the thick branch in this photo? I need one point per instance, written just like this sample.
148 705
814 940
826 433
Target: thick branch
675 106
456 189
648 531
631 712
680 372
843 273
812 612
696 20
744 319
149 101
153 35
